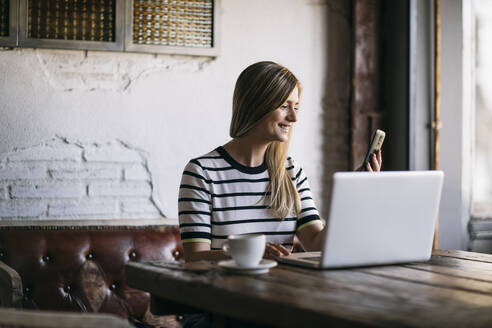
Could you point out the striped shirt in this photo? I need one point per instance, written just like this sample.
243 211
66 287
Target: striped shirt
219 197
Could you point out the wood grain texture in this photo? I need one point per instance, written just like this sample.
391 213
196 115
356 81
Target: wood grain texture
436 124
449 290
464 255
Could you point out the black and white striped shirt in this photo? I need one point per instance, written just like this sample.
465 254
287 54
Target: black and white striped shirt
219 197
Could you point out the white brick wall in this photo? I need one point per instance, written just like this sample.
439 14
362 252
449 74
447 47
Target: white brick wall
111 153
14 173
3 192
111 173
142 189
136 173
83 207
47 190
46 153
22 208
61 179
144 205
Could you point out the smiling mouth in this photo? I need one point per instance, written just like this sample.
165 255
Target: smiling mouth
284 127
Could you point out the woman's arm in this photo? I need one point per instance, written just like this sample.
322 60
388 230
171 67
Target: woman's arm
201 251
309 225
195 208
311 236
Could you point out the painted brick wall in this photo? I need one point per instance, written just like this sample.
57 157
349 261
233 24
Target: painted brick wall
60 179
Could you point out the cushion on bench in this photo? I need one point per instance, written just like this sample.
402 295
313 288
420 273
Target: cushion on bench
81 268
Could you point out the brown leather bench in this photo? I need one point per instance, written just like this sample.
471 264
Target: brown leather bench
20 318
79 266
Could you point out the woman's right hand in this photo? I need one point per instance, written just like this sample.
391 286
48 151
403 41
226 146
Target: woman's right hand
273 250
374 164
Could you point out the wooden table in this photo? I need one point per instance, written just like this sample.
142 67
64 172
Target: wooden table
453 289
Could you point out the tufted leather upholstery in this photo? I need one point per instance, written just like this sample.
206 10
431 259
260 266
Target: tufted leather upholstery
82 268
17 318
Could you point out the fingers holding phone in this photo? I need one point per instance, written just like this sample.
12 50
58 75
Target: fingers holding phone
373 159
375 163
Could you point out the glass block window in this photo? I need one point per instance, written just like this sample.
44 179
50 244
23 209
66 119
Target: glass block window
186 23
90 20
4 17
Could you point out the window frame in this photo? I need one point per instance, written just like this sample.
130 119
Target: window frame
12 39
117 45
175 50
18 34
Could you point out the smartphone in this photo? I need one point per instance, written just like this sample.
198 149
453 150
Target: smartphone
375 144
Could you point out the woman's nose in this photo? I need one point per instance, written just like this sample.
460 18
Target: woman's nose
292 115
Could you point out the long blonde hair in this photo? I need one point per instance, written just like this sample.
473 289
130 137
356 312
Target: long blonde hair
260 89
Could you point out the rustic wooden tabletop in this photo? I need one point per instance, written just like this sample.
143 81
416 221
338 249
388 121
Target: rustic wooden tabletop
453 289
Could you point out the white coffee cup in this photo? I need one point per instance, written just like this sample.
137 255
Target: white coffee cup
246 250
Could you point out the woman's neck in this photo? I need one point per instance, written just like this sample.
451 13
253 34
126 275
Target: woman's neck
246 151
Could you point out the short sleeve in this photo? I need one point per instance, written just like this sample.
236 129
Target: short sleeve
309 213
195 205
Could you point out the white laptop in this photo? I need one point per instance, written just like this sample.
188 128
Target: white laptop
377 218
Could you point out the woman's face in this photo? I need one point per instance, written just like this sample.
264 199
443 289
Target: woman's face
277 124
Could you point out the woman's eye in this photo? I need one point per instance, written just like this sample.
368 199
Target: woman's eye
286 107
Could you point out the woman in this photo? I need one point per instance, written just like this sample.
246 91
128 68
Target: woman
249 184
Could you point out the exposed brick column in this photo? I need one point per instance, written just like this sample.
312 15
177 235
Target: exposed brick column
336 100
366 113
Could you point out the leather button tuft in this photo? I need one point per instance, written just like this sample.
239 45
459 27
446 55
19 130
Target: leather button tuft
46 258
27 290
112 286
67 289
133 255
176 253
89 256
2 254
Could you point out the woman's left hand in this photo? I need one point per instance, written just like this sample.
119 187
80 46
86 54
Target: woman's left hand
374 165
274 250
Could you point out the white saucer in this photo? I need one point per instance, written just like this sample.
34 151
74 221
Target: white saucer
262 267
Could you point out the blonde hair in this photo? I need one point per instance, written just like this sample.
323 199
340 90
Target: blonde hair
260 89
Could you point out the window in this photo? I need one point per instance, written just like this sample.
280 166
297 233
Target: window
167 26
71 24
482 172
155 26
8 23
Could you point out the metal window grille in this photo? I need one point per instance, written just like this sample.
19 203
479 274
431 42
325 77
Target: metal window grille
91 20
4 18
8 23
186 23
152 26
